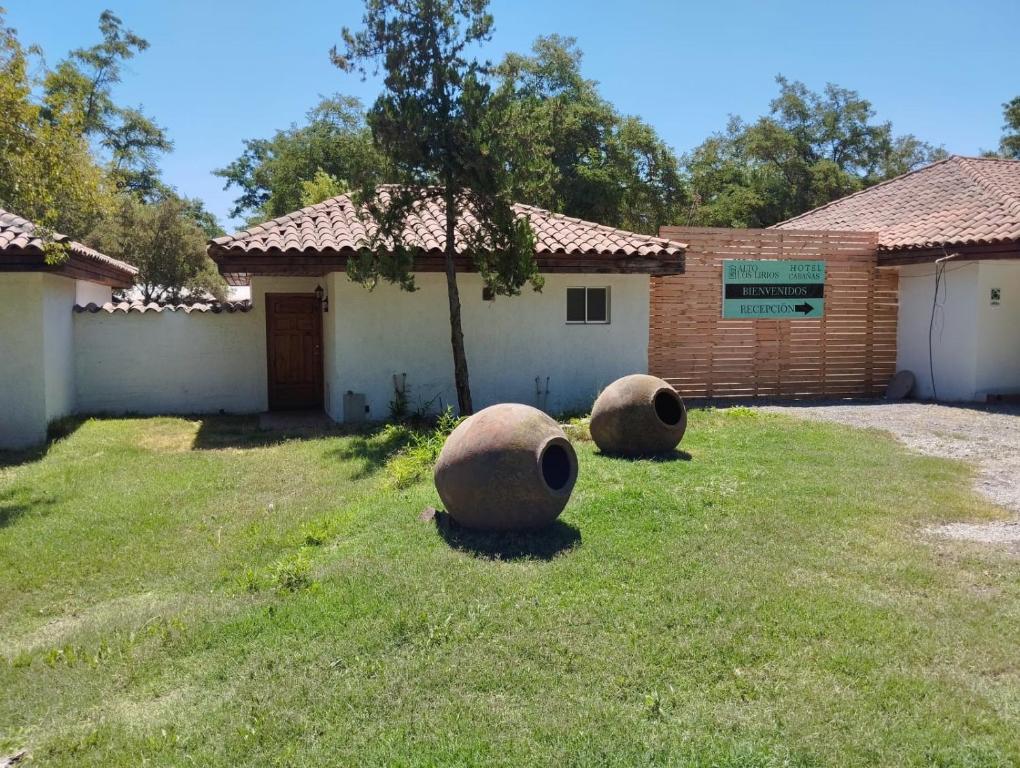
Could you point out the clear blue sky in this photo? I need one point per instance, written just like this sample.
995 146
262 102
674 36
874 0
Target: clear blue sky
219 71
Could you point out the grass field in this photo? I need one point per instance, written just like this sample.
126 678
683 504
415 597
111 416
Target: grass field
188 592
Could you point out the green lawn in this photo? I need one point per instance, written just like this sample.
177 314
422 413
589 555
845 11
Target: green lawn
194 592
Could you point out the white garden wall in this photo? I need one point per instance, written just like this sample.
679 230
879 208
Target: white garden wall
173 362
510 342
168 362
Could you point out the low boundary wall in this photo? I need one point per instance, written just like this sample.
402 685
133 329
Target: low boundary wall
165 361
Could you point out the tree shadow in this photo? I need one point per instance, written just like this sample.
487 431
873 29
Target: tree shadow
219 432
370 449
540 544
654 458
11 509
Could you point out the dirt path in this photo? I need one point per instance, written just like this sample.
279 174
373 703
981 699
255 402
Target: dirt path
988 436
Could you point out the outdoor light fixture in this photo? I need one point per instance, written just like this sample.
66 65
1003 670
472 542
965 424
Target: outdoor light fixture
322 298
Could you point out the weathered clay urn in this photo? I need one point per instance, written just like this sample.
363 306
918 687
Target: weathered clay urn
508 467
638 415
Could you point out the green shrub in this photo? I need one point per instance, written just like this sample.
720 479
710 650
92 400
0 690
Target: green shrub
249 580
414 461
317 533
292 573
578 428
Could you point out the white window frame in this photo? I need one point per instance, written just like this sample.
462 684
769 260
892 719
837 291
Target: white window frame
586 288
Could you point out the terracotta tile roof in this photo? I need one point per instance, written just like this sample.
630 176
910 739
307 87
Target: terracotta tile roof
956 201
18 236
334 226
142 307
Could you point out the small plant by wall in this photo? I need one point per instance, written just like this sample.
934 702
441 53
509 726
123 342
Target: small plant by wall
415 460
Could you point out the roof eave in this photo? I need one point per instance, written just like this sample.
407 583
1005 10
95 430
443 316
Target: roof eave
236 261
76 266
923 253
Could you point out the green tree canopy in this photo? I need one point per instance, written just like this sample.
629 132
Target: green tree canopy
73 161
47 173
163 240
271 173
809 150
83 83
1010 145
440 127
572 152
567 150
321 187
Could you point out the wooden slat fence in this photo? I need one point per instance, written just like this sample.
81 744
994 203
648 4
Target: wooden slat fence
851 351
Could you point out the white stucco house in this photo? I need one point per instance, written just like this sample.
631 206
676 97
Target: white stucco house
37 345
309 338
952 230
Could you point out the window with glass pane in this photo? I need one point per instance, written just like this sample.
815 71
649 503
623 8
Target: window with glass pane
598 305
575 305
587 305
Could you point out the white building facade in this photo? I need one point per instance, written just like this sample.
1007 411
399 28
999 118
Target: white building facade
963 341
318 341
37 350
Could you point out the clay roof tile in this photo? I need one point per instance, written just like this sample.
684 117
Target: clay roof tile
956 201
18 235
337 225
141 307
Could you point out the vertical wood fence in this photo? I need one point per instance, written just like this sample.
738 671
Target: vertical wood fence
851 351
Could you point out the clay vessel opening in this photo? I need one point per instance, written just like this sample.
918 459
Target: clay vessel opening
668 408
556 467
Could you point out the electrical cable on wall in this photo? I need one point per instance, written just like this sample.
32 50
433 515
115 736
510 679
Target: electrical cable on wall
940 269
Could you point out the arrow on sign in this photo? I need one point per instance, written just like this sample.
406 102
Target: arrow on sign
805 308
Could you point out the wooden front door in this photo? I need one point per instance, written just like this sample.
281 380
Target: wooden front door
294 347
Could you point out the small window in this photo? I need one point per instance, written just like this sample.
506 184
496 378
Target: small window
587 305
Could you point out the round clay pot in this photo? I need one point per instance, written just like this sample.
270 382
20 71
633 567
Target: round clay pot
508 467
638 415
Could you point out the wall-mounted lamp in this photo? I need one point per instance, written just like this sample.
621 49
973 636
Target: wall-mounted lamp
322 298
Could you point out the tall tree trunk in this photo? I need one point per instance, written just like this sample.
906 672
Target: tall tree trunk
460 366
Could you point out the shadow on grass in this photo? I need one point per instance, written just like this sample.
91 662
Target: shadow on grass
542 544
219 432
11 509
216 432
657 458
370 449
56 430
26 456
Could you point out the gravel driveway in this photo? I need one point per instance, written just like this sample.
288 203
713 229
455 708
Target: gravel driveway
988 436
